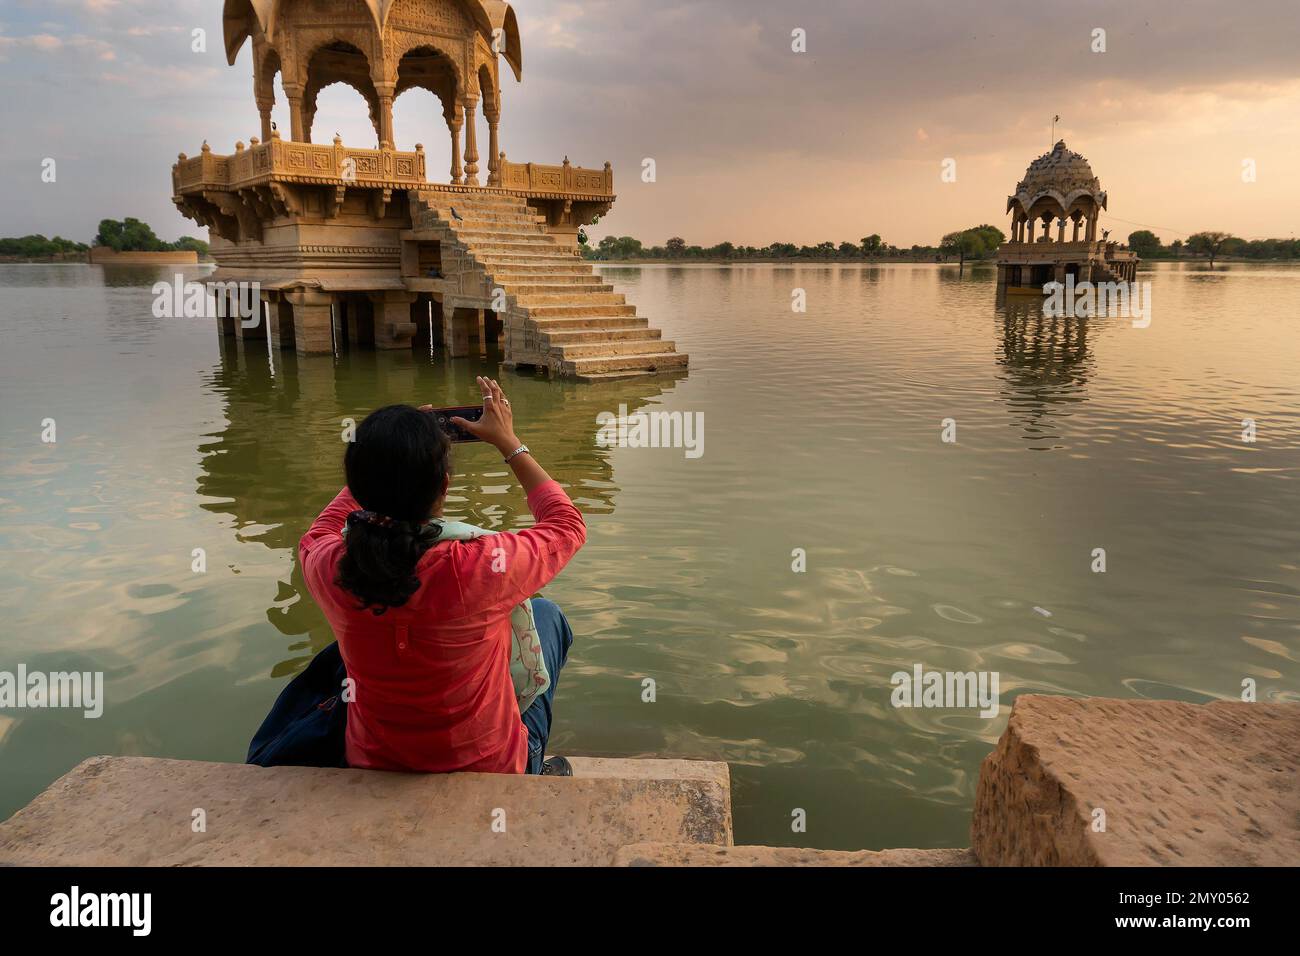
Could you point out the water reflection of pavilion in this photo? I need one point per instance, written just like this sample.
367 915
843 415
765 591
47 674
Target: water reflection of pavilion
277 459
1044 362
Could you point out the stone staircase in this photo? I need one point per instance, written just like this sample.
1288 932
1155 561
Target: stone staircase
560 314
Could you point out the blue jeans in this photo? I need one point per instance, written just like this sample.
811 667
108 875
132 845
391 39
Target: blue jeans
556 638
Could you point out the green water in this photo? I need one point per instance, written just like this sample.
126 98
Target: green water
822 432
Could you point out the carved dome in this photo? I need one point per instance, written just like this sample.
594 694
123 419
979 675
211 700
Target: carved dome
1062 175
242 19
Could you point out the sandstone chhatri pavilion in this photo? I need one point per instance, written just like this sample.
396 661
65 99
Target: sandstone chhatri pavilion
354 246
1059 187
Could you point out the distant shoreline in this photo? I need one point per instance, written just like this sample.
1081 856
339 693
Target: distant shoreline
801 260
705 260
60 257
126 259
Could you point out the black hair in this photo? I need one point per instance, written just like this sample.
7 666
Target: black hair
397 466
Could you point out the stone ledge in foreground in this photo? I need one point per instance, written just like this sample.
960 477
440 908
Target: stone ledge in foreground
137 811
1180 784
682 854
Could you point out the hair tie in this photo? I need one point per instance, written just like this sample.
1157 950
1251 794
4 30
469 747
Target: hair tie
365 516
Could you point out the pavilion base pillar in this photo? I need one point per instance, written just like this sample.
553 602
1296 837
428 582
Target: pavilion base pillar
458 327
437 325
358 321
492 327
279 317
252 328
312 324
392 317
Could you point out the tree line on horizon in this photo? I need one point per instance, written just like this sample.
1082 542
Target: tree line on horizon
1212 245
978 242
120 235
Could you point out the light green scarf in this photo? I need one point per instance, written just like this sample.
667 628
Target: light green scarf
527 665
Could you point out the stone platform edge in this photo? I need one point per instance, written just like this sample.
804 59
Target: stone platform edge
1072 782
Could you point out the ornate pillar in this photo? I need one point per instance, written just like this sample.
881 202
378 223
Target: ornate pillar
494 161
385 91
471 146
1060 229
1029 225
264 106
1077 223
454 123
264 97
293 92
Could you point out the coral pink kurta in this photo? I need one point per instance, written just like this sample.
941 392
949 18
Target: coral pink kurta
432 678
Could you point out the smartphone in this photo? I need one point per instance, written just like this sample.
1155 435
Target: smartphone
444 416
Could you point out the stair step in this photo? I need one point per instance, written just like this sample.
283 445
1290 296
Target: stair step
556 337
656 361
437 198
614 376
523 256
613 349
530 287
537 246
575 323
568 309
498 232
536 267
569 297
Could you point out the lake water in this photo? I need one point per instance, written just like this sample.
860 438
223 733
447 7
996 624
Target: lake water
822 433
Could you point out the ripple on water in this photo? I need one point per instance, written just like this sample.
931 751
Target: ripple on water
1034 653
955 614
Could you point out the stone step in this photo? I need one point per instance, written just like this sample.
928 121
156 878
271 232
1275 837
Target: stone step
531 287
516 246
574 323
569 310
135 811
528 277
561 337
524 255
476 221
619 375
514 263
488 232
655 361
571 297
435 199
697 855
613 347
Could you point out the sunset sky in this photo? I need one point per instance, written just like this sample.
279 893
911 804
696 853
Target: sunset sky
753 143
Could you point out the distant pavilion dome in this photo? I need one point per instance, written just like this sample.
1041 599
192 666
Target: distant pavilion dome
1060 181
1060 186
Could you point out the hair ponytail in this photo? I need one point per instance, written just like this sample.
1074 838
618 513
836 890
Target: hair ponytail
397 468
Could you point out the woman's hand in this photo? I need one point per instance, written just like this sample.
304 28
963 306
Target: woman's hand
497 426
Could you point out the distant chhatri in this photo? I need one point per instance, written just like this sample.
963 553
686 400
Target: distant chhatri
1059 185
